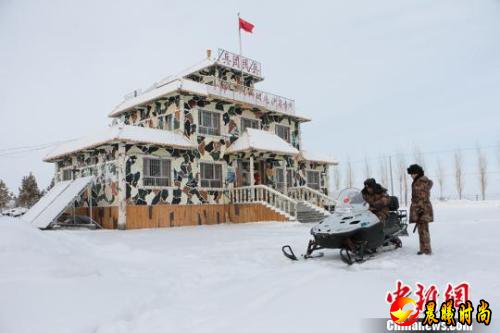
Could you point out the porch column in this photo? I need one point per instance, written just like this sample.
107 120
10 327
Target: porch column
285 175
252 179
122 187
56 173
181 116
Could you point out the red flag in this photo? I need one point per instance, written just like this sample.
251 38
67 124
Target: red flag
245 25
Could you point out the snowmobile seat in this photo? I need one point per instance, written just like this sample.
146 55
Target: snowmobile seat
393 203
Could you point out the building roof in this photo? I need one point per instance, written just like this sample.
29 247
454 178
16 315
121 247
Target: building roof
122 133
314 157
258 140
180 84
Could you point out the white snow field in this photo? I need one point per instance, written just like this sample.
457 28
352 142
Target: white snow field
228 278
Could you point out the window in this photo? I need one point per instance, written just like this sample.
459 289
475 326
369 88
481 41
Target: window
289 178
283 132
211 175
244 170
169 122
313 179
156 172
67 174
280 179
209 123
249 123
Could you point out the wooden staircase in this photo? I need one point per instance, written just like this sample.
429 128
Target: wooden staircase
302 203
308 214
267 196
312 205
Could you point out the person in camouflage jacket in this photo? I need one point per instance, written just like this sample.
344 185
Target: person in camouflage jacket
377 198
421 211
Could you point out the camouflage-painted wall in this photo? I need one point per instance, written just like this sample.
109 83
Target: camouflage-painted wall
228 75
231 120
100 163
153 115
185 187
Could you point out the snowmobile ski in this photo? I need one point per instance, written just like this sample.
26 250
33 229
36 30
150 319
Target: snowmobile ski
288 252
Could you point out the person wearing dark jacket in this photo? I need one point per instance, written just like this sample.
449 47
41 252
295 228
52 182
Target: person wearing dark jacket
421 211
377 198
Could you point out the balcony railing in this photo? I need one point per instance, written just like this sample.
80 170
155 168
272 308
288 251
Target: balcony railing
312 196
252 96
266 195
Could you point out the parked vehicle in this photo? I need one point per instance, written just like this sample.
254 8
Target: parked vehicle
15 212
355 230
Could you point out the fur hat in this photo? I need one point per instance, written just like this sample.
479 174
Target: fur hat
415 169
370 182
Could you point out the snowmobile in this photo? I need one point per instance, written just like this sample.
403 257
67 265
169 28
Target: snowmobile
355 230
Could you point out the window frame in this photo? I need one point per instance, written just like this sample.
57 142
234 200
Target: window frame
286 173
206 130
211 180
308 171
251 120
276 131
168 124
70 171
162 176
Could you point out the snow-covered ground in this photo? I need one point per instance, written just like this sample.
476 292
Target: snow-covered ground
227 278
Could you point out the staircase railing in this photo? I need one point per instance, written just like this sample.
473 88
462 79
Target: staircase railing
263 194
307 194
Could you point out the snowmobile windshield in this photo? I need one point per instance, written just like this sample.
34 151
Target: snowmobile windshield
350 199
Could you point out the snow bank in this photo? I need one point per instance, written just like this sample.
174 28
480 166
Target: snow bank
224 278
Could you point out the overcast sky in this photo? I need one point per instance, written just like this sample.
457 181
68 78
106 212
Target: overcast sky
376 77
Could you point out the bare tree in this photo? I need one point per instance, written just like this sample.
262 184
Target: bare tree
419 156
482 163
336 177
349 176
383 171
405 184
402 176
368 170
459 173
440 175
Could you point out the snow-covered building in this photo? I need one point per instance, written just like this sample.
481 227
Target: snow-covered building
203 142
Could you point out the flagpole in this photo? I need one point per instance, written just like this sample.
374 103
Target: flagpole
239 33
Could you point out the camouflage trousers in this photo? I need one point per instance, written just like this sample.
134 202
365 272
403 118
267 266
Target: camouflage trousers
424 237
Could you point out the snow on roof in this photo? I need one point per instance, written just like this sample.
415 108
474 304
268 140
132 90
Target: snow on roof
125 133
254 139
308 156
188 86
176 82
205 63
155 93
